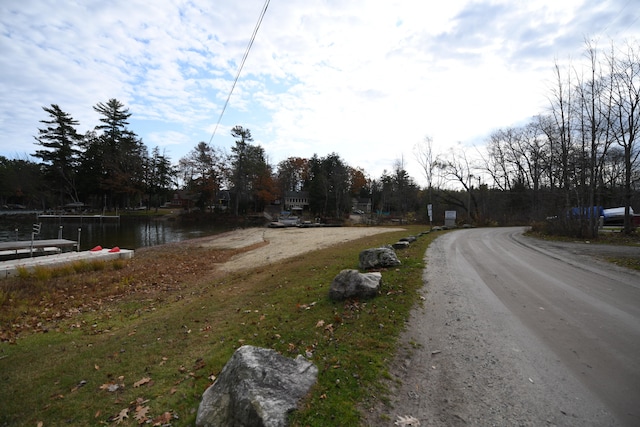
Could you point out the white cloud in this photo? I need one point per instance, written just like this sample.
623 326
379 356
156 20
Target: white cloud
365 80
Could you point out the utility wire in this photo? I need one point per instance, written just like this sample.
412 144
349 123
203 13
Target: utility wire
244 58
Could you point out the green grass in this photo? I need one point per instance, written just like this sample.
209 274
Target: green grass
183 339
608 236
628 262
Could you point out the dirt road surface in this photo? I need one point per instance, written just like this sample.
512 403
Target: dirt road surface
515 331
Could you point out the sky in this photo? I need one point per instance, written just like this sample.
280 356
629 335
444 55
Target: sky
366 79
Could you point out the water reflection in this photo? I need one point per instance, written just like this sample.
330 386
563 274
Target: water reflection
127 232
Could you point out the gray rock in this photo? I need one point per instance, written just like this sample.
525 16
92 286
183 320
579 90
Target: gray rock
378 258
257 387
402 244
353 284
409 239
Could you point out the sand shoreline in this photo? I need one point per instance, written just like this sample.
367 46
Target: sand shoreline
282 243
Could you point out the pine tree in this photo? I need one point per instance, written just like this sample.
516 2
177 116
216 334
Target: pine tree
115 155
60 154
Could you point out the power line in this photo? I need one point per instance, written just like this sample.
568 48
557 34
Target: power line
606 27
244 58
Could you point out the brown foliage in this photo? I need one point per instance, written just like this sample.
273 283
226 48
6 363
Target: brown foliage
36 304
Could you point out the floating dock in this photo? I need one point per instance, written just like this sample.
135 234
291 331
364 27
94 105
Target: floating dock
78 216
11 268
36 244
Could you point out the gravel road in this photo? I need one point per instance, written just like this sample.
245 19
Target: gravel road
515 331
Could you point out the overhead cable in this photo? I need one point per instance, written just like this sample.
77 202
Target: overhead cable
244 58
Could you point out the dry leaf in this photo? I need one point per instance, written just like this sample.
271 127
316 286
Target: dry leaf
140 401
96 367
110 387
141 414
407 421
199 364
162 419
124 414
143 381
320 324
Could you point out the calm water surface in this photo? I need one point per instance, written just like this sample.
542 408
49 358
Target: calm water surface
126 233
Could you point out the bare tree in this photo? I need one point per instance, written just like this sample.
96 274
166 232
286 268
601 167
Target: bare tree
427 159
593 110
561 110
626 115
456 168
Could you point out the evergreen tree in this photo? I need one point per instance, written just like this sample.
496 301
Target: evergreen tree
59 154
115 156
159 175
250 173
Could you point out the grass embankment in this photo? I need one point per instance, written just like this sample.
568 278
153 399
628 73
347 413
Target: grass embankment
140 342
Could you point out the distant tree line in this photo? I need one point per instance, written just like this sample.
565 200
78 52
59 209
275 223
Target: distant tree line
111 168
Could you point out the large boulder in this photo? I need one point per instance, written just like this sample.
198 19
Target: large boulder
257 387
383 257
353 284
401 244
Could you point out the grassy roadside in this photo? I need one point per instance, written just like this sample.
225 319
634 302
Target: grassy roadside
139 343
612 237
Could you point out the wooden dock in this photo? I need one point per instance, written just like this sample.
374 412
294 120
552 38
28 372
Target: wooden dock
78 216
11 268
37 244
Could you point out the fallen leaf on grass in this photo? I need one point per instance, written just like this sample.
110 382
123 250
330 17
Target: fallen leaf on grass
199 364
111 387
122 415
306 306
80 384
141 414
143 381
162 419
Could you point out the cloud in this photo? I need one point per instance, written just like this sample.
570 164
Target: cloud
364 80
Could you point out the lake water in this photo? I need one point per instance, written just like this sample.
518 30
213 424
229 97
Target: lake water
126 233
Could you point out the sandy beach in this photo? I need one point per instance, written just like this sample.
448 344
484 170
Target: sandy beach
276 244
